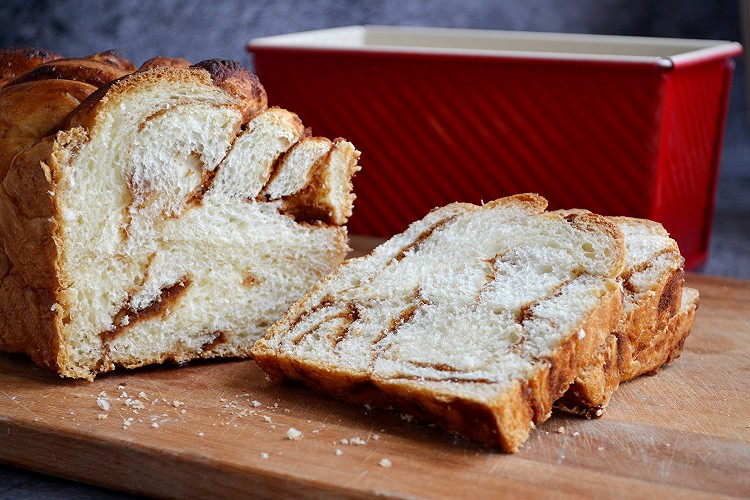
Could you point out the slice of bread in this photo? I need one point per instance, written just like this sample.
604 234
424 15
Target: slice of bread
137 233
476 318
653 315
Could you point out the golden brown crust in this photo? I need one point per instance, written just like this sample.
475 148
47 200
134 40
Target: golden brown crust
96 71
642 326
15 61
31 110
158 61
113 58
590 392
28 229
234 78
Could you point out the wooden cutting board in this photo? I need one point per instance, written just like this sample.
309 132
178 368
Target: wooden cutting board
220 429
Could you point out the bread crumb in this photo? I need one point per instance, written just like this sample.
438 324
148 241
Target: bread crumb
599 412
256 403
142 395
357 441
560 430
200 434
155 425
103 403
339 452
406 417
264 455
344 441
294 434
385 463
267 418
102 416
576 434
581 334
375 437
134 403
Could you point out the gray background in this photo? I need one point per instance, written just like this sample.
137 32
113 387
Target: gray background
200 30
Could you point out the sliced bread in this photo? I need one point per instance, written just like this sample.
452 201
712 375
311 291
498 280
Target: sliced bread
654 313
476 318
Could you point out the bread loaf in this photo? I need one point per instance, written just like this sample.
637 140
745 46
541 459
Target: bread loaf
476 318
142 227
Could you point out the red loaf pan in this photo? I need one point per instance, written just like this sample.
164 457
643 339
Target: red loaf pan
617 125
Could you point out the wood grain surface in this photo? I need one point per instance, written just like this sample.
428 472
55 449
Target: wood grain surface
221 429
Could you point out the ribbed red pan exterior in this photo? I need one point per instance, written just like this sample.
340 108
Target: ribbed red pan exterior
617 138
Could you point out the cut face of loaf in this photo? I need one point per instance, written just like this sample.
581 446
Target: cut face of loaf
138 233
655 322
476 318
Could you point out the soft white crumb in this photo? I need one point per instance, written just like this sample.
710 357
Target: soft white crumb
339 452
155 425
103 403
576 434
357 441
200 434
385 463
344 441
256 403
294 434
560 430
375 437
264 455
581 334
142 395
102 416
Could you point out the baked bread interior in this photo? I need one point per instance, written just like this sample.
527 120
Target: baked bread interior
476 318
170 215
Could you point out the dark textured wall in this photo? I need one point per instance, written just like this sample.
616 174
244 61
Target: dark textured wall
206 29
